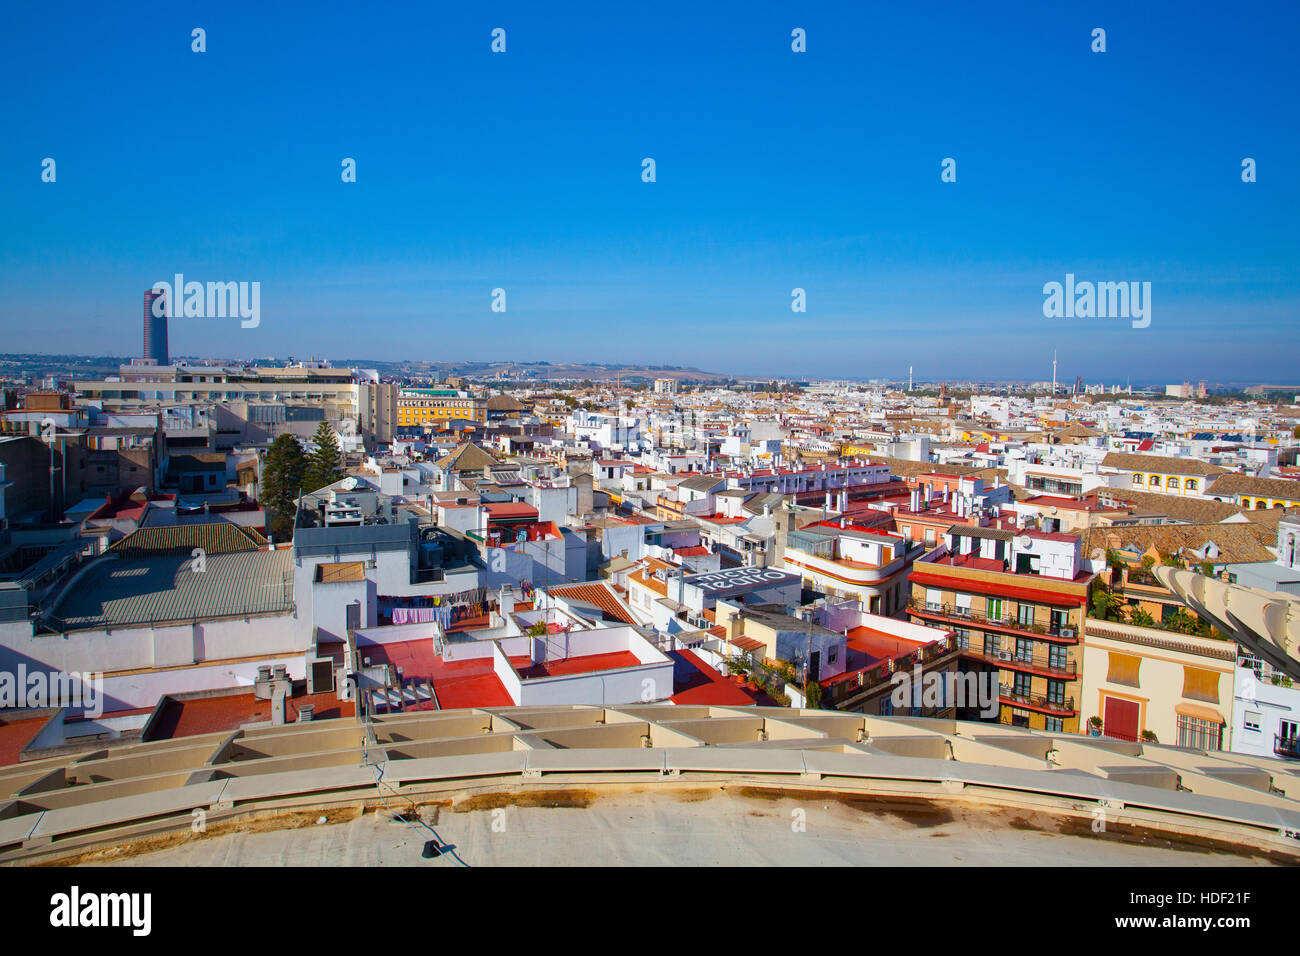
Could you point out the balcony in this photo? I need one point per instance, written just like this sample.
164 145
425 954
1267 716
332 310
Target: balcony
1054 707
1286 746
964 617
852 684
1040 664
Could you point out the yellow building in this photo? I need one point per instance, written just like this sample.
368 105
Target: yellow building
1141 680
421 407
1164 475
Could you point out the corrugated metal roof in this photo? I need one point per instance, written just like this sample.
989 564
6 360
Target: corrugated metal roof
171 587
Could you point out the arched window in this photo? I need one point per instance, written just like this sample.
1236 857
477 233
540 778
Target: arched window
1137 479
1190 484
1260 504
1155 481
1245 503
1172 483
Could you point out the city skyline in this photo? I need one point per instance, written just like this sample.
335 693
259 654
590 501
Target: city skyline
775 171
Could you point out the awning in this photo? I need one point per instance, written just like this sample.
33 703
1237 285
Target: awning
1204 713
981 586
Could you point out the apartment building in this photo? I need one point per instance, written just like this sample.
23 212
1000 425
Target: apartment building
1253 493
1142 681
1265 711
1016 602
1159 473
425 407
847 560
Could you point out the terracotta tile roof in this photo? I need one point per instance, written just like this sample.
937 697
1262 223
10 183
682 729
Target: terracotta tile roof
1126 461
218 537
1234 485
336 572
597 594
1237 541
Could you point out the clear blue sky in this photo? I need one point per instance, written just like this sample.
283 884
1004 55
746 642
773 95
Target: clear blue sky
775 170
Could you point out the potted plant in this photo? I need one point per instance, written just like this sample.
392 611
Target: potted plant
1094 726
1149 737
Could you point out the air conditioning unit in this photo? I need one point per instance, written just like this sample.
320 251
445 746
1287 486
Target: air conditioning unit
306 713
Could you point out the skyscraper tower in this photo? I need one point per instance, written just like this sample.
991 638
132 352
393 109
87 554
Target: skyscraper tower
155 327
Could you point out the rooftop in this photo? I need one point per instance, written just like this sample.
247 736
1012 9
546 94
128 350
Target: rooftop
870 784
115 592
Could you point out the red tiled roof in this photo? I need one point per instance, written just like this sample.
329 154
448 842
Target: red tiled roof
206 715
17 734
695 682
597 594
586 664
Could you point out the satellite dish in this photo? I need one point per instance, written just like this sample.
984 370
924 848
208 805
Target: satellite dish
348 484
1024 543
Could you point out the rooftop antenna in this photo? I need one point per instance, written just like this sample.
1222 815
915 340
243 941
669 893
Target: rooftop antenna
1053 372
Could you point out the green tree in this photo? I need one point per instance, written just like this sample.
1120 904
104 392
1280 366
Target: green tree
324 466
1106 605
813 694
1183 622
1141 618
282 477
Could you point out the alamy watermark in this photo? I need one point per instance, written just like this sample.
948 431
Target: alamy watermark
23 688
969 690
1102 300
215 300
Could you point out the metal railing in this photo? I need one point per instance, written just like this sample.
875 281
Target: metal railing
965 614
1286 746
1059 705
1037 662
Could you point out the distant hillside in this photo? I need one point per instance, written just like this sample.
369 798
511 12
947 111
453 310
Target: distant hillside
541 371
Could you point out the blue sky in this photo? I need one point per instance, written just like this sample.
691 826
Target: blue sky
775 170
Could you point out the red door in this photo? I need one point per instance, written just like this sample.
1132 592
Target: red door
1121 719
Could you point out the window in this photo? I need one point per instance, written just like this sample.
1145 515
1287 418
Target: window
1201 684
994 612
1055 724
1199 733
1057 658
1123 669
992 645
1024 650
1190 484
833 655
1137 479
886 706
1023 684
963 638
1026 615
1155 481
1252 721
1172 483
1056 692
